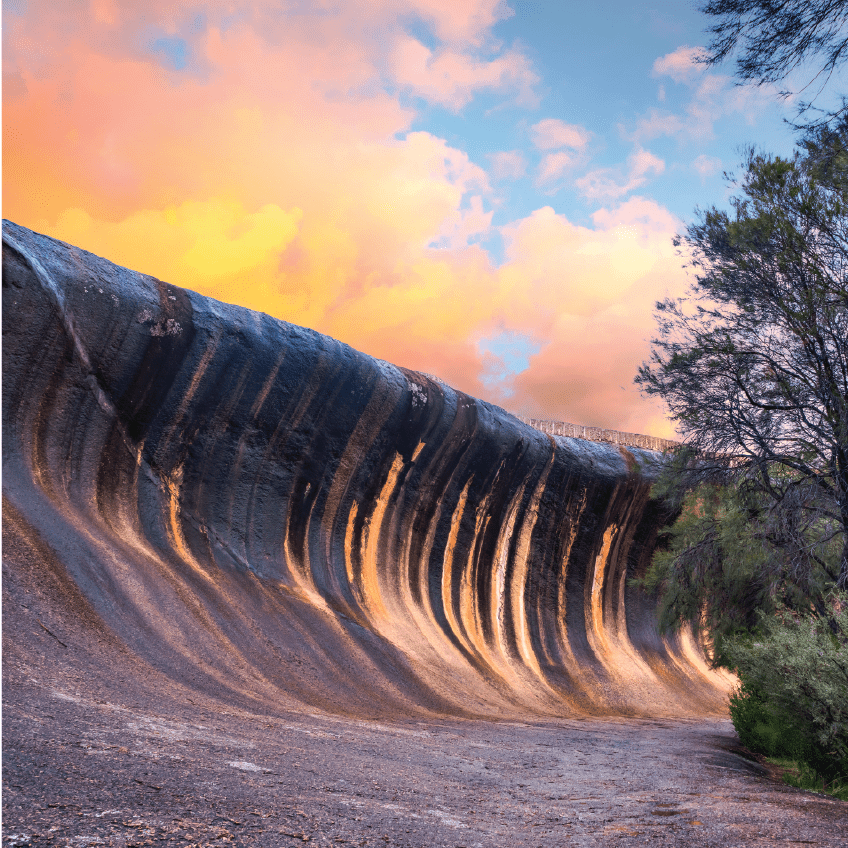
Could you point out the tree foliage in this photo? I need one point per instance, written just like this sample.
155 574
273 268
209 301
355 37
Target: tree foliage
753 366
725 565
773 38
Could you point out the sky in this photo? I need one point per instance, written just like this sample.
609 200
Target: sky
481 190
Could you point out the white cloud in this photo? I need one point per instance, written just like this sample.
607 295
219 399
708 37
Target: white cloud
681 65
713 96
551 134
706 166
508 164
611 183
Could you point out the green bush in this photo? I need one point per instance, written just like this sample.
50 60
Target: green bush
793 698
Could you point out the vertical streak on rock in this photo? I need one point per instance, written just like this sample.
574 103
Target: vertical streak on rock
348 544
503 635
595 609
174 523
583 679
368 424
519 589
449 570
472 606
372 598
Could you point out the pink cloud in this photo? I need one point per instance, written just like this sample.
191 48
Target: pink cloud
682 65
611 183
706 166
589 293
508 164
451 78
655 124
552 133
467 23
553 166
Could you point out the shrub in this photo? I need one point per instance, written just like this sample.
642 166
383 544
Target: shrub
793 697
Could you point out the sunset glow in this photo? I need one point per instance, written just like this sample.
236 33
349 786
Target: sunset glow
434 183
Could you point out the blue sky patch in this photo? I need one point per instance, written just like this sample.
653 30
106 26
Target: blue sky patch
173 50
507 353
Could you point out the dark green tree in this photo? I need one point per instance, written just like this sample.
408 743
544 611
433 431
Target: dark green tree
753 366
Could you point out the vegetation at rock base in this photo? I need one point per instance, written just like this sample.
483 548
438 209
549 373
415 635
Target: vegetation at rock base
793 698
724 566
753 366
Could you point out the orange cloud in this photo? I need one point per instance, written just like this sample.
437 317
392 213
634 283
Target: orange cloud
277 169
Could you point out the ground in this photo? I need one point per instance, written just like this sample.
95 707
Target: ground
79 770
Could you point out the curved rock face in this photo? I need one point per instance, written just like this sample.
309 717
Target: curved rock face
265 515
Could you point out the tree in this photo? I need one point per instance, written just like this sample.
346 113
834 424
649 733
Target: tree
776 38
753 366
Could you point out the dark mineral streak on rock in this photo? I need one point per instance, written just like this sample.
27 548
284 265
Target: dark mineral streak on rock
274 520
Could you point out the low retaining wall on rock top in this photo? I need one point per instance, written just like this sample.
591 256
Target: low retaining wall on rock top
600 434
264 514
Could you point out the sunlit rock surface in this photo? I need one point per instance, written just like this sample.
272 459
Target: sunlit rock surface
271 519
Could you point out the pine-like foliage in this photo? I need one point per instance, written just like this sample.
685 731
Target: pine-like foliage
772 39
753 364
733 555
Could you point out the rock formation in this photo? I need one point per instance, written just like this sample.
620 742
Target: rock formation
269 517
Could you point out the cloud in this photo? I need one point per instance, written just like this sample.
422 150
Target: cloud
553 265
655 124
199 244
551 134
278 169
469 22
706 166
508 164
553 166
588 293
682 65
461 225
713 96
610 183
450 78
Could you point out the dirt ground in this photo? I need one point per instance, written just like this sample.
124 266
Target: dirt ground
78 770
